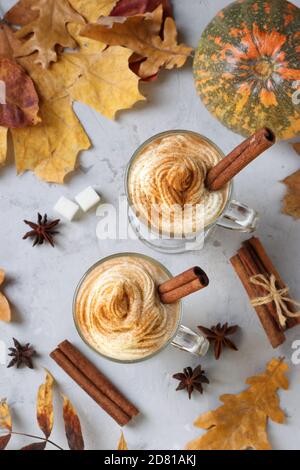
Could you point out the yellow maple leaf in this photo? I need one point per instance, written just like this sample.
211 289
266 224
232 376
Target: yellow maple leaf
48 30
40 149
241 422
141 34
122 443
92 9
3 145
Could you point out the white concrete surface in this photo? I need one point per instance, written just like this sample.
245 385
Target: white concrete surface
41 281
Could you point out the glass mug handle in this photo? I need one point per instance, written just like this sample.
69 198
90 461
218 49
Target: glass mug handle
188 340
239 217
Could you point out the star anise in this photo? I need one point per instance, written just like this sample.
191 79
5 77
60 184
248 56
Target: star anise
191 380
218 335
22 355
42 231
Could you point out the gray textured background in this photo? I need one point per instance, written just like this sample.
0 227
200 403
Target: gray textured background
42 281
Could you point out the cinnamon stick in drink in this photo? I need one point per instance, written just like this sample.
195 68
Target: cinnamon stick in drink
97 378
184 284
239 158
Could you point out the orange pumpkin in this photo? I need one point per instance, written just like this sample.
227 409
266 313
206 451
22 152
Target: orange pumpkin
247 67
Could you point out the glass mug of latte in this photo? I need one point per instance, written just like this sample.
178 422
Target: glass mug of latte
118 312
170 209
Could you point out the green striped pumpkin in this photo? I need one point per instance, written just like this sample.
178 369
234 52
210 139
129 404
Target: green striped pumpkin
247 67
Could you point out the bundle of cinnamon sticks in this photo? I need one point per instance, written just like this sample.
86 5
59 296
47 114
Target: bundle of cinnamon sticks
94 383
184 284
250 261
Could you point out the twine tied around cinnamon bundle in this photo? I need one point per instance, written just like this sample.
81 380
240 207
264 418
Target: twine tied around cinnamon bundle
276 295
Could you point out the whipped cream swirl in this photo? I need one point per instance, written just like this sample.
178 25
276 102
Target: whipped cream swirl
118 310
166 184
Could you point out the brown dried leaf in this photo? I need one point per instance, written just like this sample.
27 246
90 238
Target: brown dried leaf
92 10
297 147
241 422
21 13
122 443
21 103
291 201
48 30
72 426
5 423
45 405
36 446
141 34
4 440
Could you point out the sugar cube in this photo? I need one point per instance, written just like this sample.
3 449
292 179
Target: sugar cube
66 208
87 199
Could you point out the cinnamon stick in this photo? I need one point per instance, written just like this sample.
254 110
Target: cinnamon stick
97 378
117 413
184 284
239 158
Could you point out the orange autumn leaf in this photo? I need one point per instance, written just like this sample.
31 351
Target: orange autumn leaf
20 104
72 426
141 34
5 311
122 443
48 30
5 424
291 201
241 422
45 405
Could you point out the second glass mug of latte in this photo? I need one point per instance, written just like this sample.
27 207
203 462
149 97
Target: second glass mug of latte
170 209
118 312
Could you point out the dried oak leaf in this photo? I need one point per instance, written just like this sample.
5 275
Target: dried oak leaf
72 426
92 9
135 7
9 44
48 30
141 34
21 102
241 422
122 443
5 311
291 201
45 405
5 424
